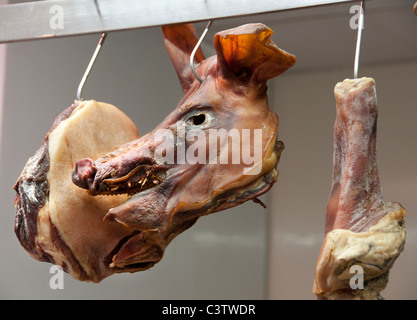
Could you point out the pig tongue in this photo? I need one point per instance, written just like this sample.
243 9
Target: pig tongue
138 252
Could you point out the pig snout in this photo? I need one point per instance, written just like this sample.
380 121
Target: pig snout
84 173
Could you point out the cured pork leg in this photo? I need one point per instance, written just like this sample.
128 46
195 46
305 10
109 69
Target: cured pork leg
361 228
58 222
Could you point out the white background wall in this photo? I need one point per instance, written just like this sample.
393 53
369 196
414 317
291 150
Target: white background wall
2 73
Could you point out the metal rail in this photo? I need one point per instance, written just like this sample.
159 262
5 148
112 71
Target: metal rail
59 18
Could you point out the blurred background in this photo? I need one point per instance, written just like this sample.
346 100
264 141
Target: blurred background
247 252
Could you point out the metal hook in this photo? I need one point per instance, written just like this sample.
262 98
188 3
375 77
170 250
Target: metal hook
358 40
195 50
90 65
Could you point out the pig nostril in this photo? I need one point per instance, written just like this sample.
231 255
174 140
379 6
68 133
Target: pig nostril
84 173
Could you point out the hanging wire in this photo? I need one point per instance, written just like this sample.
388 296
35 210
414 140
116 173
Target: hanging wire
90 65
358 40
195 50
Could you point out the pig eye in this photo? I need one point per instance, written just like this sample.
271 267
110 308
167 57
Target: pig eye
199 119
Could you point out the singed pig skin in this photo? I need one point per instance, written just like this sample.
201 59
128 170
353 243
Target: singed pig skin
361 228
56 221
168 197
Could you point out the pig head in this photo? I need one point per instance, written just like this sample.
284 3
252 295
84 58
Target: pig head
216 150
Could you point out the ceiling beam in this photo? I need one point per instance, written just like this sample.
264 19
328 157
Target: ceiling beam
60 18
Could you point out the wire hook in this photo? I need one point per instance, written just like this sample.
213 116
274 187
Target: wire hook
90 65
358 40
195 50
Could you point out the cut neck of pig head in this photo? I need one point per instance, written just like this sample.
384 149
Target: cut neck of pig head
216 150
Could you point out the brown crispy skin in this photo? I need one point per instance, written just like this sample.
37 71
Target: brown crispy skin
180 40
34 176
248 53
231 96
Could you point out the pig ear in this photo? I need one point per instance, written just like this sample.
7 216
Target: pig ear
246 52
180 40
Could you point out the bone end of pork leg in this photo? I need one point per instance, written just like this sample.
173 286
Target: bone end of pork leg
364 234
346 254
